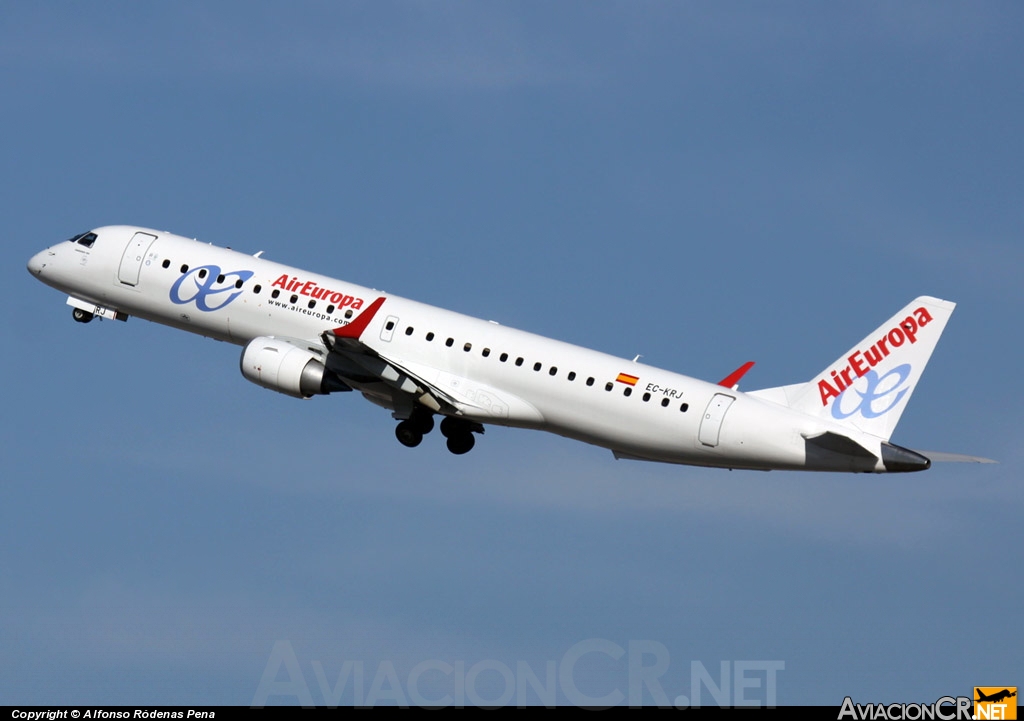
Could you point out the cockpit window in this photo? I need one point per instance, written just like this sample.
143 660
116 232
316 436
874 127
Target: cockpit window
86 239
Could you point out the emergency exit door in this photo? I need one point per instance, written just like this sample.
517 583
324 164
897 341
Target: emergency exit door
711 423
131 261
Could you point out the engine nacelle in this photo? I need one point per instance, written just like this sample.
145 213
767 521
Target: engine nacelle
284 367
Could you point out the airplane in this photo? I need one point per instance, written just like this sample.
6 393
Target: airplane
996 697
305 334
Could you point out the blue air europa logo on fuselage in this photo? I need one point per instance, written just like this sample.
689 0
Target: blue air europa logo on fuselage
208 287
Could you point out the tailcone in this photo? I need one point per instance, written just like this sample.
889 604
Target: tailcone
897 459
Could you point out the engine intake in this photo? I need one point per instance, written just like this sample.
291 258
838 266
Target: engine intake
286 368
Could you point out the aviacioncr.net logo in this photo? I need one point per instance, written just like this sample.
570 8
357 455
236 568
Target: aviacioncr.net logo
872 395
209 287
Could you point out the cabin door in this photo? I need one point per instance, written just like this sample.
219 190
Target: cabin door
711 423
131 261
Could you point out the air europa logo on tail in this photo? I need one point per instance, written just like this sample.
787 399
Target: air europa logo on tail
311 289
860 362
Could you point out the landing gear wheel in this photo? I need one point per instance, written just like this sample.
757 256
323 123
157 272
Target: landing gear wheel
459 433
423 422
452 427
408 435
81 316
461 443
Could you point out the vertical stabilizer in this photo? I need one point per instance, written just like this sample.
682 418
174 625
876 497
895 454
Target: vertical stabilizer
868 387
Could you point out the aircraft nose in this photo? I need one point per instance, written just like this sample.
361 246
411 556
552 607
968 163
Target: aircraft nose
38 262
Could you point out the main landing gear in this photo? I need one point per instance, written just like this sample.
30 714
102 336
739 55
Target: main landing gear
410 432
459 434
81 316
458 431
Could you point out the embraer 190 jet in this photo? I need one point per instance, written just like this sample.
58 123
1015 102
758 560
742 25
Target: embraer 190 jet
305 334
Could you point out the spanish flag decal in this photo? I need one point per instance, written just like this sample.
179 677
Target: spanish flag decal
627 379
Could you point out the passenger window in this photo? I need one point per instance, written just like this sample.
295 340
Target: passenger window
664 402
627 391
390 325
590 381
312 304
467 347
330 308
202 273
608 386
275 293
536 366
166 263
256 289
348 313
485 352
184 269
238 284
572 375
503 357
220 278
647 397
450 342
685 407
552 371
519 361
294 298
430 336
408 331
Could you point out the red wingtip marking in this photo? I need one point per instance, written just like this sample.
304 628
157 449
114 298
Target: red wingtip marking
734 378
356 327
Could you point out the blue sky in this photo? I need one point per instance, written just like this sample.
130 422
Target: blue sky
700 183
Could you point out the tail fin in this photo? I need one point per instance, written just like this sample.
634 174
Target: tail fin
868 387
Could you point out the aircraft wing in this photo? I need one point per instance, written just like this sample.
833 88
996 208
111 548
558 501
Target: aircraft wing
375 367
407 383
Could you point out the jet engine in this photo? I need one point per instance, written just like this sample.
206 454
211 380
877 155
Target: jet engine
286 368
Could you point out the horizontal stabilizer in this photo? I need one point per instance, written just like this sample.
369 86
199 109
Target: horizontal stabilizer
942 457
840 444
623 456
832 447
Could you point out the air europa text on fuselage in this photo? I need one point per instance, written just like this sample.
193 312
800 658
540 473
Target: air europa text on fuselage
860 362
311 289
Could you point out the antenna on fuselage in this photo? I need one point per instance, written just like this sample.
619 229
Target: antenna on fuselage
257 255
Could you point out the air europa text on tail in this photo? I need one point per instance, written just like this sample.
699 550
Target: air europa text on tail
861 361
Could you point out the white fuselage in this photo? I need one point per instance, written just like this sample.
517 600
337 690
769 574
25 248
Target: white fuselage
498 375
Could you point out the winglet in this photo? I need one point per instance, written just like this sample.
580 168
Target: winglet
356 327
733 379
